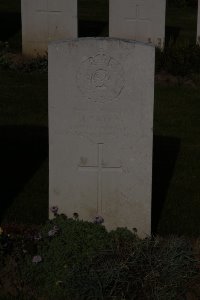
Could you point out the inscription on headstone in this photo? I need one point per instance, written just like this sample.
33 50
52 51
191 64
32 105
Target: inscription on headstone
141 20
47 20
100 130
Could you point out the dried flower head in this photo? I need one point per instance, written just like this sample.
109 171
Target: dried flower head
37 259
53 231
56 228
37 237
75 215
54 210
63 216
98 220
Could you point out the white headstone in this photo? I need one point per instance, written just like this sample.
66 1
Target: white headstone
101 95
140 20
198 24
47 20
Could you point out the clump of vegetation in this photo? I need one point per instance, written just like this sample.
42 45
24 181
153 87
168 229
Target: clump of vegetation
72 259
39 64
4 47
16 62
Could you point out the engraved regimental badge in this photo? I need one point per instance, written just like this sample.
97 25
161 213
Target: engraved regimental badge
100 78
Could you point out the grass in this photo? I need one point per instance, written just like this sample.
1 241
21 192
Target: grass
185 19
176 116
24 98
96 10
23 132
72 259
10 6
93 17
24 146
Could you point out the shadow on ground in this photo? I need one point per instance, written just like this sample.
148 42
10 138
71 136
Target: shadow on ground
23 150
10 24
165 153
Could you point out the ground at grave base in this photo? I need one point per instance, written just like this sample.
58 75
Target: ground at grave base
167 268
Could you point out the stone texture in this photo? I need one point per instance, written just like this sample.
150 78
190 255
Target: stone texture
47 20
101 95
198 24
140 20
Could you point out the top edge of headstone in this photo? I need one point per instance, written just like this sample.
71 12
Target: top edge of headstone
85 39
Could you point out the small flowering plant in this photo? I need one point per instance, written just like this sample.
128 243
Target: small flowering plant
37 237
75 216
98 220
36 259
54 210
53 231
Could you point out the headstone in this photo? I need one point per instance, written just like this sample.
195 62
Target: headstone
140 20
101 95
47 20
198 24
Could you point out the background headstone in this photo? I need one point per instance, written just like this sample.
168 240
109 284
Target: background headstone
140 20
198 24
101 95
47 20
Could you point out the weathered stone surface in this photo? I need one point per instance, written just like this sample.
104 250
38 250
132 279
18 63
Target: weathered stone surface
140 20
47 20
101 95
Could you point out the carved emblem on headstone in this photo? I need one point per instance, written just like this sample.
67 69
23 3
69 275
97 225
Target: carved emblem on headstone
100 78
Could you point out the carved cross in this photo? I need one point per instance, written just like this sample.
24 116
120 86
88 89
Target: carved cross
49 13
139 18
99 168
138 14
